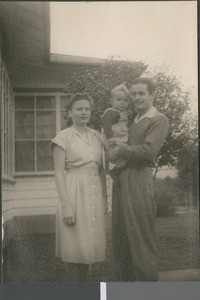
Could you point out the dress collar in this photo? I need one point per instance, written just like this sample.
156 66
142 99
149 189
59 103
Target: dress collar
89 131
149 114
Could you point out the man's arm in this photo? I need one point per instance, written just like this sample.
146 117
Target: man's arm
152 144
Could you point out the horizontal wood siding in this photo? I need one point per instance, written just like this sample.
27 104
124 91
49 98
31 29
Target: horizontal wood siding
29 205
30 196
33 196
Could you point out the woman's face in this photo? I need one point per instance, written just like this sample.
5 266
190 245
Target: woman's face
80 112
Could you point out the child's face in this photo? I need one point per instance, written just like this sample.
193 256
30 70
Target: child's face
119 101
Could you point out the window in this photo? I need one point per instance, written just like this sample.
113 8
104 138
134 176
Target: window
38 117
6 97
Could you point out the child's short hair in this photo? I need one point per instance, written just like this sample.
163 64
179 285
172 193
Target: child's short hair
148 81
119 88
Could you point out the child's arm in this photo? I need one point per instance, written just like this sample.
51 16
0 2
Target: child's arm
109 118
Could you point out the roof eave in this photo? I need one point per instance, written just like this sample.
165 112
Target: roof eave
72 59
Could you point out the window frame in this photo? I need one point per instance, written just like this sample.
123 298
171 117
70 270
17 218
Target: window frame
7 124
57 110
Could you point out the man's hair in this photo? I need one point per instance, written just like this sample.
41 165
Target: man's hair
148 81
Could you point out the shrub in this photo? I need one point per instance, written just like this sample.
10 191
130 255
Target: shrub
167 195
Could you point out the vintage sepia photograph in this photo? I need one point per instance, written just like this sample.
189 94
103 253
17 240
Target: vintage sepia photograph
99 141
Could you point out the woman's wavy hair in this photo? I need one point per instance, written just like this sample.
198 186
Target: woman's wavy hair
75 98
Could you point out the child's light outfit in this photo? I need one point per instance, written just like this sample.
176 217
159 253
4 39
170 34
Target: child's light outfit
115 130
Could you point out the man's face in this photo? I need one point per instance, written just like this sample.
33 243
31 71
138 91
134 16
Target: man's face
142 99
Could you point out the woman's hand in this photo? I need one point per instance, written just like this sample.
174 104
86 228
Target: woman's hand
68 216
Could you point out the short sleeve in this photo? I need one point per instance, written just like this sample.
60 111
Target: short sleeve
59 140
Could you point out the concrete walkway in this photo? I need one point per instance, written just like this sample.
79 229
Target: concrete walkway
180 275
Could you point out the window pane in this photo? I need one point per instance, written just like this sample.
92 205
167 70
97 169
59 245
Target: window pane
64 100
24 156
63 119
24 125
44 156
45 124
45 102
24 102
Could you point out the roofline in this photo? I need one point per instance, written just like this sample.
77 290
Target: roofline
63 58
71 59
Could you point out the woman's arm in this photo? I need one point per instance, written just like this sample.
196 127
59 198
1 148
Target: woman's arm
102 174
59 167
153 141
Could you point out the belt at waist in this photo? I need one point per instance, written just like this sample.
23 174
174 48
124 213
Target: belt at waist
83 171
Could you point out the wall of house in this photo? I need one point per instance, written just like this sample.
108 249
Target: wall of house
44 76
30 196
28 203
6 102
30 206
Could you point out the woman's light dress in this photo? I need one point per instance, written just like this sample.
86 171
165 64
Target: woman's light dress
84 242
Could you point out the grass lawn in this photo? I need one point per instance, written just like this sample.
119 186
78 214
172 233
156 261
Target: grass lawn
31 258
178 241
178 245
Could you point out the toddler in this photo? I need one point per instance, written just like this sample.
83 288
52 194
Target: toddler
115 123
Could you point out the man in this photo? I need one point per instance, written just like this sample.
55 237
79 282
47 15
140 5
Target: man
134 208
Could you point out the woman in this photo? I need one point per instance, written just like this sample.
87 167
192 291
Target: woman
80 225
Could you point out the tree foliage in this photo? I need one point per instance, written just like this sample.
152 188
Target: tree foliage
173 101
98 82
188 163
168 195
170 99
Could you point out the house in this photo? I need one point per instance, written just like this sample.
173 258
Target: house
33 99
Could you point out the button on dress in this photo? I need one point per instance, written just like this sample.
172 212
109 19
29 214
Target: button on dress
85 242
